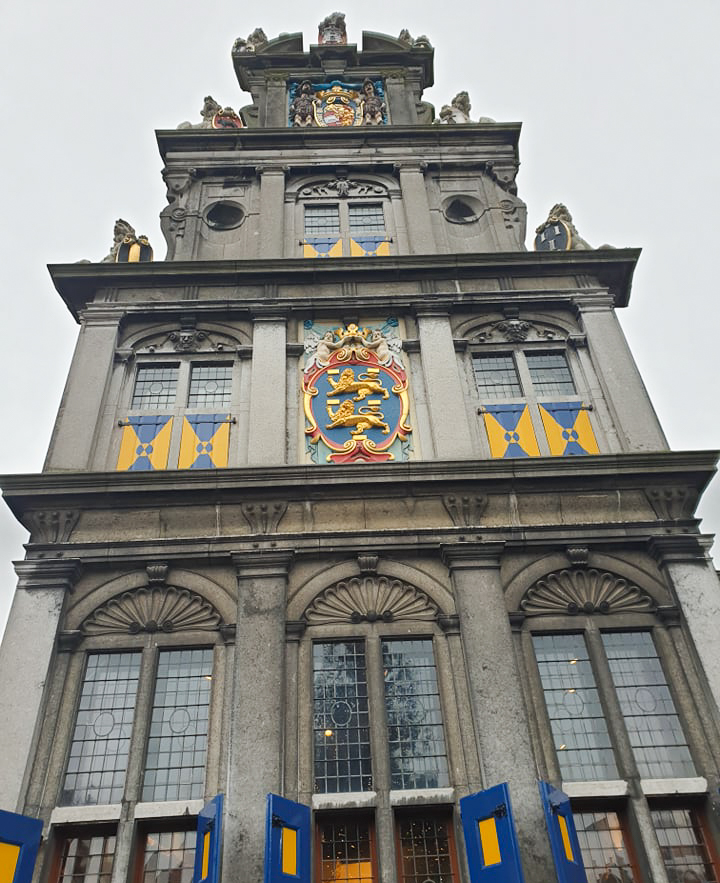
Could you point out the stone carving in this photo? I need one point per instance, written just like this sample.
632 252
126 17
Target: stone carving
187 340
53 526
301 108
332 29
120 231
515 330
370 598
253 42
153 609
673 503
582 590
214 116
559 214
343 187
127 246
458 111
373 105
384 343
578 554
157 573
368 563
421 42
465 511
264 517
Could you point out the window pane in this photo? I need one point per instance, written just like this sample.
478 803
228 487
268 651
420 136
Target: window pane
366 218
415 729
210 386
87 859
683 847
496 377
550 374
602 843
656 736
584 750
154 387
169 857
321 220
340 718
177 746
101 739
346 852
425 850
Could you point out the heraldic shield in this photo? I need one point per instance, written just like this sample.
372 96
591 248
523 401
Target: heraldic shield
355 394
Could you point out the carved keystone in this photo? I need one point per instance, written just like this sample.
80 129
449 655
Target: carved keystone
264 517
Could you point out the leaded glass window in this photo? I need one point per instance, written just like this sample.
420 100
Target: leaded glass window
87 859
177 745
366 218
169 857
322 220
603 846
496 377
210 386
656 736
341 718
416 740
580 733
101 739
550 374
683 846
155 387
426 850
347 851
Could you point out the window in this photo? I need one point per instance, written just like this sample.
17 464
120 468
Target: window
345 850
604 847
426 849
684 846
530 404
86 858
210 386
167 857
155 387
345 229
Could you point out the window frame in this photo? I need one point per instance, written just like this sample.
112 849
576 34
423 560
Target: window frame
345 232
145 827
444 813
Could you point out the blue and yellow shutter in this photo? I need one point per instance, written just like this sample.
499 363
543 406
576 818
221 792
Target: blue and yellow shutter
510 431
205 441
287 841
490 838
208 855
322 247
369 245
563 836
145 443
568 429
19 843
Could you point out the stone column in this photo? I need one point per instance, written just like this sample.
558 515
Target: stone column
268 406
34 620
72 442
443 386
272 212
693 578
501 725
417 208
634 417
258 709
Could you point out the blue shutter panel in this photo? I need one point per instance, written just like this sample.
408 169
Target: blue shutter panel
19 843
287 841
563 836
209 841
490 837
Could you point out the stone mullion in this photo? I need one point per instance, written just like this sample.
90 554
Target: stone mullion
449 703
305 732
216 724
540 720
292 716
473 764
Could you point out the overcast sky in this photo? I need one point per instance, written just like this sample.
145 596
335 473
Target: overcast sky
619 104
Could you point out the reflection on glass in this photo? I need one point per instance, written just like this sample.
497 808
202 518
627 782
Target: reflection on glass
496 377
346 852
210 386
550 374
602 844
169 857
683 846
155 387
425 851
87 859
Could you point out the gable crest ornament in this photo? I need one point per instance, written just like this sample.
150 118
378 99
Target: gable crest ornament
337 104
152 609
370 598
584 590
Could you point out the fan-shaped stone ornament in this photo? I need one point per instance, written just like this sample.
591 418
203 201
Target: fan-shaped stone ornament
583 590
153 610
370 598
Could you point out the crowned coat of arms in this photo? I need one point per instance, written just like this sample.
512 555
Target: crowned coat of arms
355 392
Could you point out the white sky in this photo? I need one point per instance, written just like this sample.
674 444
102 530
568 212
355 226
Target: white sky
619 103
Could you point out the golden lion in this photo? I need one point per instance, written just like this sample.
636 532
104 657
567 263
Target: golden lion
363 388
345 417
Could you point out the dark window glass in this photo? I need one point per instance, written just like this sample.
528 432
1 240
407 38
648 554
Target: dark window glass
426 850
177 746
415 729
366 218
652 723
340 718
169 857
155 387
101 739
550 374
210 386
321 220
346 852
578 724
682 843
496 377
87 859
603 847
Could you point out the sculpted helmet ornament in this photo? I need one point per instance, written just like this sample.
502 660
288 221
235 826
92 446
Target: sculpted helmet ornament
332 29
558 232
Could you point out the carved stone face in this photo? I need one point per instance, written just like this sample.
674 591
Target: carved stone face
462 102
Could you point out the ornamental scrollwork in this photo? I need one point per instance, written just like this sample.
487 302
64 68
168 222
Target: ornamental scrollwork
584 590
370 598
153 610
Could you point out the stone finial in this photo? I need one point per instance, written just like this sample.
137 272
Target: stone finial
332 29
253 42
458 111
120 231
421 42
128 247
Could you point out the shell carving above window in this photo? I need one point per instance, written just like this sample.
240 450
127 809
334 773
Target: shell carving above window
370 599
153 610
582 590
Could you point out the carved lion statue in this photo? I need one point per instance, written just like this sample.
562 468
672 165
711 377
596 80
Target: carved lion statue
121 230
559 212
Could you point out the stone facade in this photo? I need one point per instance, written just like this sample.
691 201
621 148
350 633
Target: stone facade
481 523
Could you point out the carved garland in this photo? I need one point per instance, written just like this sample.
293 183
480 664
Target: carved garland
370 598
153 610
582 590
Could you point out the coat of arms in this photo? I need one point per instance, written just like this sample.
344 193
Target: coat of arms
355 392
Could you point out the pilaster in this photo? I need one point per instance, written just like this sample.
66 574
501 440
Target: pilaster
417 208
272 209
267 445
